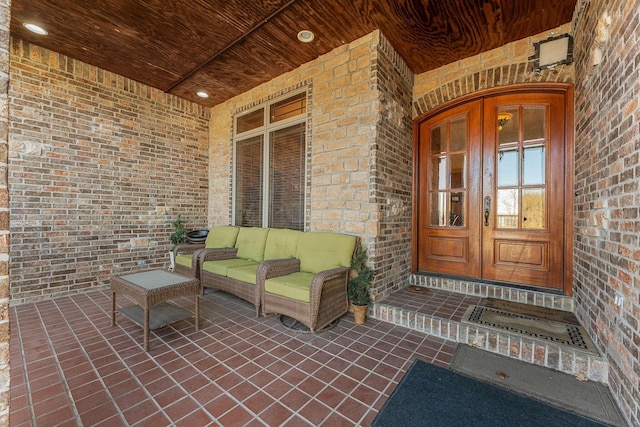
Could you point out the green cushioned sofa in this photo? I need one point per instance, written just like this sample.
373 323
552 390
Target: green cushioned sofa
302 275
186 256
235 272
312 286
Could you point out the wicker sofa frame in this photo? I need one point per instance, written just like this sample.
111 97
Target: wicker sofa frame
187 248
328 298
246 291
328 289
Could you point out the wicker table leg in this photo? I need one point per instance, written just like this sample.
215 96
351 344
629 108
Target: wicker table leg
146 328
113 308
197 311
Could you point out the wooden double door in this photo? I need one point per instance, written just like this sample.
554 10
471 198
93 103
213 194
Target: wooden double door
490 189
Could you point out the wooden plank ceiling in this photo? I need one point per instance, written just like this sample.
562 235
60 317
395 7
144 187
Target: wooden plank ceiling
227 47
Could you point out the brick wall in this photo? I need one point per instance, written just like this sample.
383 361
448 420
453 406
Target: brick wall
5 374
503 66
607 160
99 166
392 171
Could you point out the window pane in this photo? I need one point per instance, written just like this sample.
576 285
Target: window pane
508 166
458 134
248 197
533 208
456 209
458 170
438 139
439 173
286 169
289 107
438 205
507 125
249 121
534 119
533 165
508 208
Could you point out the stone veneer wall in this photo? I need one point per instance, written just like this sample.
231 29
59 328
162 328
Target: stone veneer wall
5 372
607 184
99 166
359 149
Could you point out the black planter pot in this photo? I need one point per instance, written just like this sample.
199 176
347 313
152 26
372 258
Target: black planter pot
197 236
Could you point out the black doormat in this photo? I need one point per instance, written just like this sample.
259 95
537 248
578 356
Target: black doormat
562 333
429 395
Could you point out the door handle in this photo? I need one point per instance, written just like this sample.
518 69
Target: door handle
487 210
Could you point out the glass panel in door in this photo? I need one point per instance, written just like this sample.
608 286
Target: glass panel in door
523 238
448 177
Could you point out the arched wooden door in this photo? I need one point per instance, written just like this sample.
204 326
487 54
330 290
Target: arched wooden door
490 190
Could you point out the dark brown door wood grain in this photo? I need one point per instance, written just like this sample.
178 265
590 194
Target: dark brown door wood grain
490 190
449 191
523 175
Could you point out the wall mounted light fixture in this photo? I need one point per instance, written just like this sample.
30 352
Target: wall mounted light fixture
552 52
503 118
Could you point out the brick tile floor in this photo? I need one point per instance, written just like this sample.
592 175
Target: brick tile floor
70 367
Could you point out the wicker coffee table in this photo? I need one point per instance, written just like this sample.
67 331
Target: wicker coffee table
151 290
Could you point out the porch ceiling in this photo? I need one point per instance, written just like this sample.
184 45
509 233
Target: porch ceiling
227 47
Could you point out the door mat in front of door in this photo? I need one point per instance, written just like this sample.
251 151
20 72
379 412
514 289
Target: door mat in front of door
561 333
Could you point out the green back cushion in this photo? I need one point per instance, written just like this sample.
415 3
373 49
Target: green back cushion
184 259
281 244
318 251
222 236
251 242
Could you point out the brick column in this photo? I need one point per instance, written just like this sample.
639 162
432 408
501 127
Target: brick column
5 15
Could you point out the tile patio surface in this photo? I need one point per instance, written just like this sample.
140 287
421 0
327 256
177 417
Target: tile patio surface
70 367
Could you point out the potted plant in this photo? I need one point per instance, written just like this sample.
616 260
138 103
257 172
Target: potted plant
359 284
179 234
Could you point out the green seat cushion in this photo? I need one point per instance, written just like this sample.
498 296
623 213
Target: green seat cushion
221 236
246 273
319 251
184 259
221 266
295 286
251 242
281 243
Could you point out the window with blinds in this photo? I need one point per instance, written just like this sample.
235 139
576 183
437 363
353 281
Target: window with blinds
269 165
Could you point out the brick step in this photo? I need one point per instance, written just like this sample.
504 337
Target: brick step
540 352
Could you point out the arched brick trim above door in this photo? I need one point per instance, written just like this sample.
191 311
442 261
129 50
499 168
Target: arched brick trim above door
489 78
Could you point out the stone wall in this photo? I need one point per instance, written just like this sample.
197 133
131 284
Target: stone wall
5 372
359 131
340 114
99 166
607 203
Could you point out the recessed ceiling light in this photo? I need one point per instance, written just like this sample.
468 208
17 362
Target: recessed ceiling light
306 36
202 94
35 29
